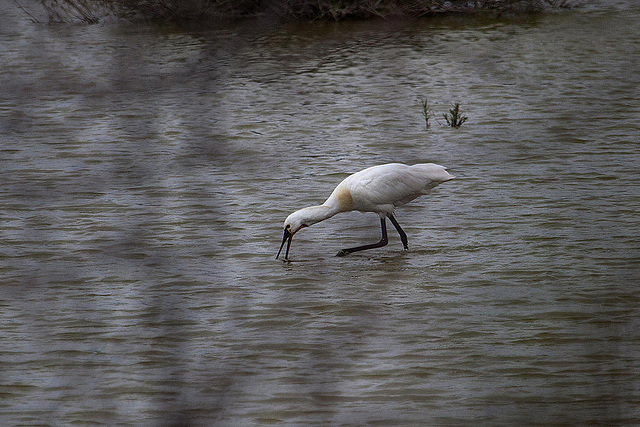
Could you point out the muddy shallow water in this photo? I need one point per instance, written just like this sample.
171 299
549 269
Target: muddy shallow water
146 171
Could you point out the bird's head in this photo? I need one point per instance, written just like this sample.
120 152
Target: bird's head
292 224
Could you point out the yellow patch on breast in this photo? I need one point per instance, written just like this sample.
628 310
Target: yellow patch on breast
344 199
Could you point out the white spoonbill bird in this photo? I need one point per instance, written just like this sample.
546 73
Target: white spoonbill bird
376 189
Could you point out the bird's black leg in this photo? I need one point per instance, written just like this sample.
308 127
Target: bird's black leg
403 235
381 243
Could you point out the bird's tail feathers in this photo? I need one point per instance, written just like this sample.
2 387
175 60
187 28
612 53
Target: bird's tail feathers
435 172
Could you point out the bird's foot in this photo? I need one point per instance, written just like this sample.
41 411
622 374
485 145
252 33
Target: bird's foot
342 253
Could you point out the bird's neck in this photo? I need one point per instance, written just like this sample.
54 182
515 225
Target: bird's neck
315 214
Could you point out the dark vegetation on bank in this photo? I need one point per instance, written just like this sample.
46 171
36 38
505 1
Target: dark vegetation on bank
93 11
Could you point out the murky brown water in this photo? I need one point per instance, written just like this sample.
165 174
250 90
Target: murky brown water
145 173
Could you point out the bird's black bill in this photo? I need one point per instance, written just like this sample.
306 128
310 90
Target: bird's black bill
286 238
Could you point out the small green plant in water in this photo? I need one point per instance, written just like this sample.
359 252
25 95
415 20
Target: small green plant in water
426 112
455 118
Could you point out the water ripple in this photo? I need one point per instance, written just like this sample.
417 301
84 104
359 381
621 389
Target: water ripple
146 172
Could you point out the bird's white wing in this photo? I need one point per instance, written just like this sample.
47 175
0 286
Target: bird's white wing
394 184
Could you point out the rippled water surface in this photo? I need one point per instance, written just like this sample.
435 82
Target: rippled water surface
145 172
